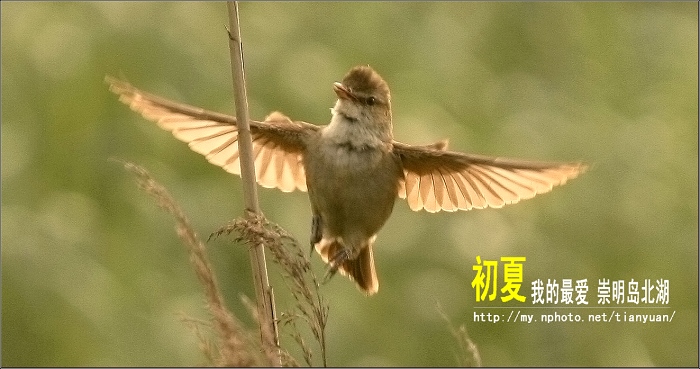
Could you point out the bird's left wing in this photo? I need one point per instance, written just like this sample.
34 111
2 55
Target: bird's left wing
436 179
278 142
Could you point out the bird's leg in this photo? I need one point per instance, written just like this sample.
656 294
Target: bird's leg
334 263
316 233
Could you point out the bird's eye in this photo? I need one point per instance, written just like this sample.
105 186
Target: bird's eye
371 100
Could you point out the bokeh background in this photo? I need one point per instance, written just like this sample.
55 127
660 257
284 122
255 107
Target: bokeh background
93 273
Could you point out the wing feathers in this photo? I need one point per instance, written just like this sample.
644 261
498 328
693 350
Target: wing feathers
436 179
278 143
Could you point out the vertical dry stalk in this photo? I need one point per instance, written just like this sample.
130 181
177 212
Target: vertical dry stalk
298 275
263 292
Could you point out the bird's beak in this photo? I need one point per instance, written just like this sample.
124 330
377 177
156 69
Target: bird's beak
343 92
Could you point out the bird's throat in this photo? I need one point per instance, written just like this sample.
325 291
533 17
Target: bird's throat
355 133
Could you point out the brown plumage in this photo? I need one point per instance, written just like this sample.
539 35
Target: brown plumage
352 167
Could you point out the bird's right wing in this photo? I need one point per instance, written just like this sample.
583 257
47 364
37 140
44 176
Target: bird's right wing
278 142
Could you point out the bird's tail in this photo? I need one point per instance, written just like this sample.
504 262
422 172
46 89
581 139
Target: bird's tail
361 269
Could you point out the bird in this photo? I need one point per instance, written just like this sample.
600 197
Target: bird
352 168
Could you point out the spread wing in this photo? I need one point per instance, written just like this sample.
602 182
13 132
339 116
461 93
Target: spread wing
278 142
436 179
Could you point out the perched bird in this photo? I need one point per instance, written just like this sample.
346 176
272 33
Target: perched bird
352 167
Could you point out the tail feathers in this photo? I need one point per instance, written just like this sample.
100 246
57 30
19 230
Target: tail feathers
361 269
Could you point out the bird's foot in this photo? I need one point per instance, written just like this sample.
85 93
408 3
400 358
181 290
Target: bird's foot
334 263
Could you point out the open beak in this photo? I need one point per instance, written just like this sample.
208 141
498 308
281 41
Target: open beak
343 92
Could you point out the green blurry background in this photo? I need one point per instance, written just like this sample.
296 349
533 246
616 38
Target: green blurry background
93 273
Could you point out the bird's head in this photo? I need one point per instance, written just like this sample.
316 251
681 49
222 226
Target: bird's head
364 98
